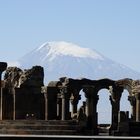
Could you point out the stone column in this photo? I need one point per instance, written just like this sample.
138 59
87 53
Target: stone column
44 92
50 102
59 107
14 103
91 109
65 103
115 110
63 107
115 102
137 95
3 67
46 106
1 101
50 95
132 100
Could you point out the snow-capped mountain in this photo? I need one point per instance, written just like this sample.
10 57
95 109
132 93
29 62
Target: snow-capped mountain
66 59
61 59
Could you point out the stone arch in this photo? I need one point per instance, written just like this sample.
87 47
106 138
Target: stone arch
115 94
91 89
125 84
129 84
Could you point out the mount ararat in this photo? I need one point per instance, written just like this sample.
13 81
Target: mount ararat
64 59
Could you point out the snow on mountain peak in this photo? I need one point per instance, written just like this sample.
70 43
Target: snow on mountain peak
70 49
63 59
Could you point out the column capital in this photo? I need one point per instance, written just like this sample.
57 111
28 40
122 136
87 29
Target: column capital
116 93
74 99
112 101
90 92
64 92
137 95
44 89
132 100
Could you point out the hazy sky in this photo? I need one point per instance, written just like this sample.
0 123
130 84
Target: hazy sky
112 27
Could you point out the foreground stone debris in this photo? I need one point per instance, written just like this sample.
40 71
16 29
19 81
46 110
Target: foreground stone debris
29 107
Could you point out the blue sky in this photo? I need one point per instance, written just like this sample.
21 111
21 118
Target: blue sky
112 27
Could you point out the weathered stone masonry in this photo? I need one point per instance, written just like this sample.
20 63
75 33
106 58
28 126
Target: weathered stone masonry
24 96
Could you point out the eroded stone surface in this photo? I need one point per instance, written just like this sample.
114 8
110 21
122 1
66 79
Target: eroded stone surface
25 97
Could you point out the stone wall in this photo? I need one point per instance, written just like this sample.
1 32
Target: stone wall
23 93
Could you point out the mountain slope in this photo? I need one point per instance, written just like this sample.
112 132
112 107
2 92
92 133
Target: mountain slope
61 59
66 59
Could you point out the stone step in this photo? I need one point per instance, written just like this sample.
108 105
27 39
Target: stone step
39 122
53 127
39 132
39 127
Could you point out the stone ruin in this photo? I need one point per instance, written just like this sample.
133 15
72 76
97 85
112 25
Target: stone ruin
23 96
